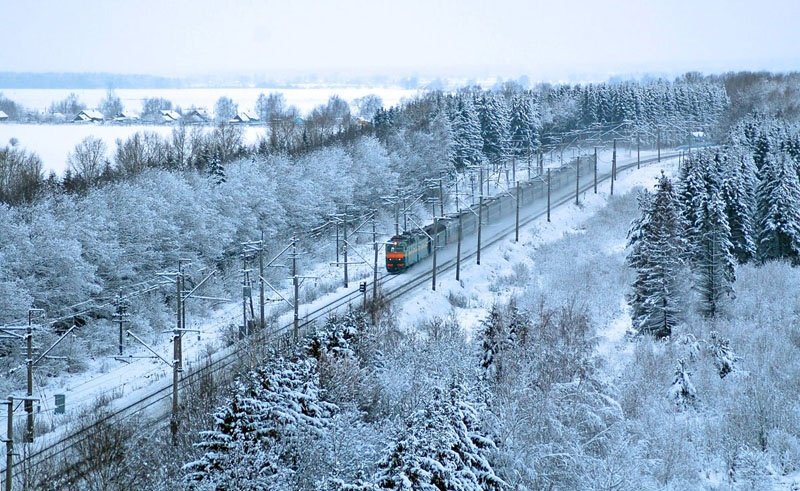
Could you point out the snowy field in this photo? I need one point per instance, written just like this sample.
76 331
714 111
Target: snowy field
305 98
53 142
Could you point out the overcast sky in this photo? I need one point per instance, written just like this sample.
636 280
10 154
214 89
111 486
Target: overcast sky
551 40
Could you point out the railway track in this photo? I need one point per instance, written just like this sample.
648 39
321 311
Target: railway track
155 406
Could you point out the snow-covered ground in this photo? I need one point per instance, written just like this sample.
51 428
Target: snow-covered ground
53 142
125 381
304 98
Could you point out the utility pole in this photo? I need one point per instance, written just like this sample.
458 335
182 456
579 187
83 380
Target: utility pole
176 374
246 291
458 249
405 215
433 244
441 197
296 284
29 364
9 443
480 223
261 283
120 317
613 166
514 169
658 143
577 179
516 221
638 149
595 170
375 263
344 236
548 195
541 163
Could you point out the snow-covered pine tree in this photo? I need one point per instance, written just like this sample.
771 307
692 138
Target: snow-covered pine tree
682 392
779 210
253 444
713 260
467 140
724 357
521 129
694 181
441 448
656 251
494 118
216 170
739 183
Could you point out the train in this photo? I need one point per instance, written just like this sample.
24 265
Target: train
412 246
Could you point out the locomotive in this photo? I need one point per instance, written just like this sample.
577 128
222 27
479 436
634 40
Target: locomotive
408 248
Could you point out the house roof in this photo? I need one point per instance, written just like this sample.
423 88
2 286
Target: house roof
89 115
3 115
170 115
244 117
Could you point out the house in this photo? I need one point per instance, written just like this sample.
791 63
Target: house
196 116
126 117
88 116
245 117
3 116
169 116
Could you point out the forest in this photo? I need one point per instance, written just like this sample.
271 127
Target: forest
705 398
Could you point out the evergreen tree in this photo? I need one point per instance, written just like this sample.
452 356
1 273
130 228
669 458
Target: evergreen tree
216 170
467 141
713 260
441 448
682 391
656 248
739 185
778 211
522 127
724 357
253 444
495 128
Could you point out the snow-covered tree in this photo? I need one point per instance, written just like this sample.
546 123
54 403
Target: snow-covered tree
225 109
682 392
257 436
522 127
724 358
778 211
441 447
656 248
739 183
468 143
710 239
494 118
215 170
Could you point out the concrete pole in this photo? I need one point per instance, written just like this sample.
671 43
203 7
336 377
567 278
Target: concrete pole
480 219
296 284
516 221
29 391
458 250
10 444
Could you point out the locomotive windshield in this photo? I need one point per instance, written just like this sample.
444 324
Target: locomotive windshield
394 247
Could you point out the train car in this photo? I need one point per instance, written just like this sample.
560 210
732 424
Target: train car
408 248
